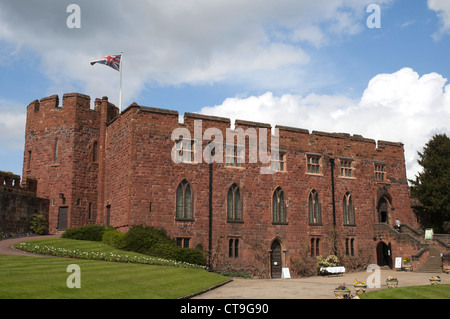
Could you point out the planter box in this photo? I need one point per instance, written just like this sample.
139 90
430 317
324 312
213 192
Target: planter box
339 294
407 267
392 283
435 281
360 289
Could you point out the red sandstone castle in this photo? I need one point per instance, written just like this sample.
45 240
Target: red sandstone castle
331 192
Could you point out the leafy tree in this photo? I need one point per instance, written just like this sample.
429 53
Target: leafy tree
432 185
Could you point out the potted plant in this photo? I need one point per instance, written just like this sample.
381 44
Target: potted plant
391 282
360 287
447 269
341 291
435 280
407 264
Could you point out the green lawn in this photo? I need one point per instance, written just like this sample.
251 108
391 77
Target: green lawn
413 292
46 277
93 250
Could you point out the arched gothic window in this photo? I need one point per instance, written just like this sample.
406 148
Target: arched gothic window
234 203
349 210
314 208
278 206
184 201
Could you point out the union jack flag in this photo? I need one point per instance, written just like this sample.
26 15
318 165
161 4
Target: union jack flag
112 61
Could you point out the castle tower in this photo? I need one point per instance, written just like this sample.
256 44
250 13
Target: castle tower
63 146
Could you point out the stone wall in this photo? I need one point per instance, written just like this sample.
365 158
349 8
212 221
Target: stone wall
19 204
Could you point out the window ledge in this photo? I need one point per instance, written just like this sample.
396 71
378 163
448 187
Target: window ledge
312 174
180 219
280 223
235 221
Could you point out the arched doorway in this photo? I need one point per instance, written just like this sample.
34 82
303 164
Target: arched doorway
383 216
384 256
275 259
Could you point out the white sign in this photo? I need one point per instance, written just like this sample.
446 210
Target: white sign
429 233
398 262
285 274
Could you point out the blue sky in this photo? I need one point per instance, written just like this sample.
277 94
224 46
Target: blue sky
309 64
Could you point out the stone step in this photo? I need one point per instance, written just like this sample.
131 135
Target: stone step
433 264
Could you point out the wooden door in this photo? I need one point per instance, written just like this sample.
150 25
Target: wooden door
275 260
62 218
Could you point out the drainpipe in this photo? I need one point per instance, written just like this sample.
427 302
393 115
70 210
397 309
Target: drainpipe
334 205
210 215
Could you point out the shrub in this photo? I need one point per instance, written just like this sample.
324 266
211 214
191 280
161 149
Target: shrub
114 238
192 256
155 242
38 225
329 261
170 251
140 238
89 232
303 265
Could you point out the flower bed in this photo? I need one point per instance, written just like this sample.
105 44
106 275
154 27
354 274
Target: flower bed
15 235
93 255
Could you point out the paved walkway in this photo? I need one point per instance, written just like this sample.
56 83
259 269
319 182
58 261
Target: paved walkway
316 287
7 249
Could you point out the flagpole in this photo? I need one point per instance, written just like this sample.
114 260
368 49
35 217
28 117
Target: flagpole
120 93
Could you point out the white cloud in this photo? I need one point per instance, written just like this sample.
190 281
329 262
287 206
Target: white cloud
12 126
399 107
442 8
174 42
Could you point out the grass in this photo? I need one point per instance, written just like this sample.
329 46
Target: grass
412 292
24 277
83 249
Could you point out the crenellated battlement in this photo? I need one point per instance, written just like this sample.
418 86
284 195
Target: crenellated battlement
12 181
70 100
76 109
164 120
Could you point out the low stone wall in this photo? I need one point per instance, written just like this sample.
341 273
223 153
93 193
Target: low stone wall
17 208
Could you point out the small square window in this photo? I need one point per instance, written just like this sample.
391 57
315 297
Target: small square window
183 242
234 156
347 168
278 161
184 151
313 164
380 172
233 248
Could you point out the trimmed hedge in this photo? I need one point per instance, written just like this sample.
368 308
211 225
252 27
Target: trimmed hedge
89 232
